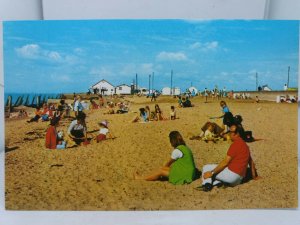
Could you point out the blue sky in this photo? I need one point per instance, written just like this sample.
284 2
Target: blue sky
71 56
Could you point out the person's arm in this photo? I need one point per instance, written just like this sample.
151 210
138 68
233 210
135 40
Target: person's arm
254 173
169 162
222 165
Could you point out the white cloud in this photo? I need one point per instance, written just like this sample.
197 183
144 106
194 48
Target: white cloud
211 45
54 56
205 46
31 51
195 45
171 56
34 51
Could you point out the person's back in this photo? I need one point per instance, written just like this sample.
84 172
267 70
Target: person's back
240 154
183 170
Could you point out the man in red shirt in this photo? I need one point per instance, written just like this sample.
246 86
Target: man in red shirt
232 169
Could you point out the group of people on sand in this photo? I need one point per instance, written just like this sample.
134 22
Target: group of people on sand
146 114
181 168
77 130
231 171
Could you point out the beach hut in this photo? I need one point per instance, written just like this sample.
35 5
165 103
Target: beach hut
176 91
193 90
123 89
166 91
104 87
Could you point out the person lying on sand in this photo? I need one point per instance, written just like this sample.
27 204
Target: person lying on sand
179 169
232 169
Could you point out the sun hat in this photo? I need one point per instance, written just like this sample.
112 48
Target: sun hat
104 123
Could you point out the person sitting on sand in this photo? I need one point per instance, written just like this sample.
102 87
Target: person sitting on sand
151 114
158 113
232 169
77 131
52 139
111 107
101 101
63 108
173 113
38 113
123 108
47 113
104 133
186 103
213 128
180 168
143 117
93 104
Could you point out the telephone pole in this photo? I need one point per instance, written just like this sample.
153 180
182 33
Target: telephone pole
256 82
288 81
171 82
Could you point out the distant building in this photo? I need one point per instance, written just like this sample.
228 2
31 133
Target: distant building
104 87
266 88
168 91
123 89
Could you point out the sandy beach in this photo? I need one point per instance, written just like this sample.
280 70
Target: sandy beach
99 176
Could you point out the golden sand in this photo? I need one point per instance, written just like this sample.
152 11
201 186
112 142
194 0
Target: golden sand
99 176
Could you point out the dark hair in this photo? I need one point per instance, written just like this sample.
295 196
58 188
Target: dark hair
176 139
62 101
81 116
172 107
54 121
239 130
223 102
238 119
142 110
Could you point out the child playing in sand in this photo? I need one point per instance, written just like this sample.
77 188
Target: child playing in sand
173 113
53 140
227 116
104 133
179 169
143 116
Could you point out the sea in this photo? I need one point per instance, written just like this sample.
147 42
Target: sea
30 96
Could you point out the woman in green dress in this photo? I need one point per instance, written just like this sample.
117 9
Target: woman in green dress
179 169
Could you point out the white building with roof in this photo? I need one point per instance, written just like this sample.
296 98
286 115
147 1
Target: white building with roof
104 87
123 89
